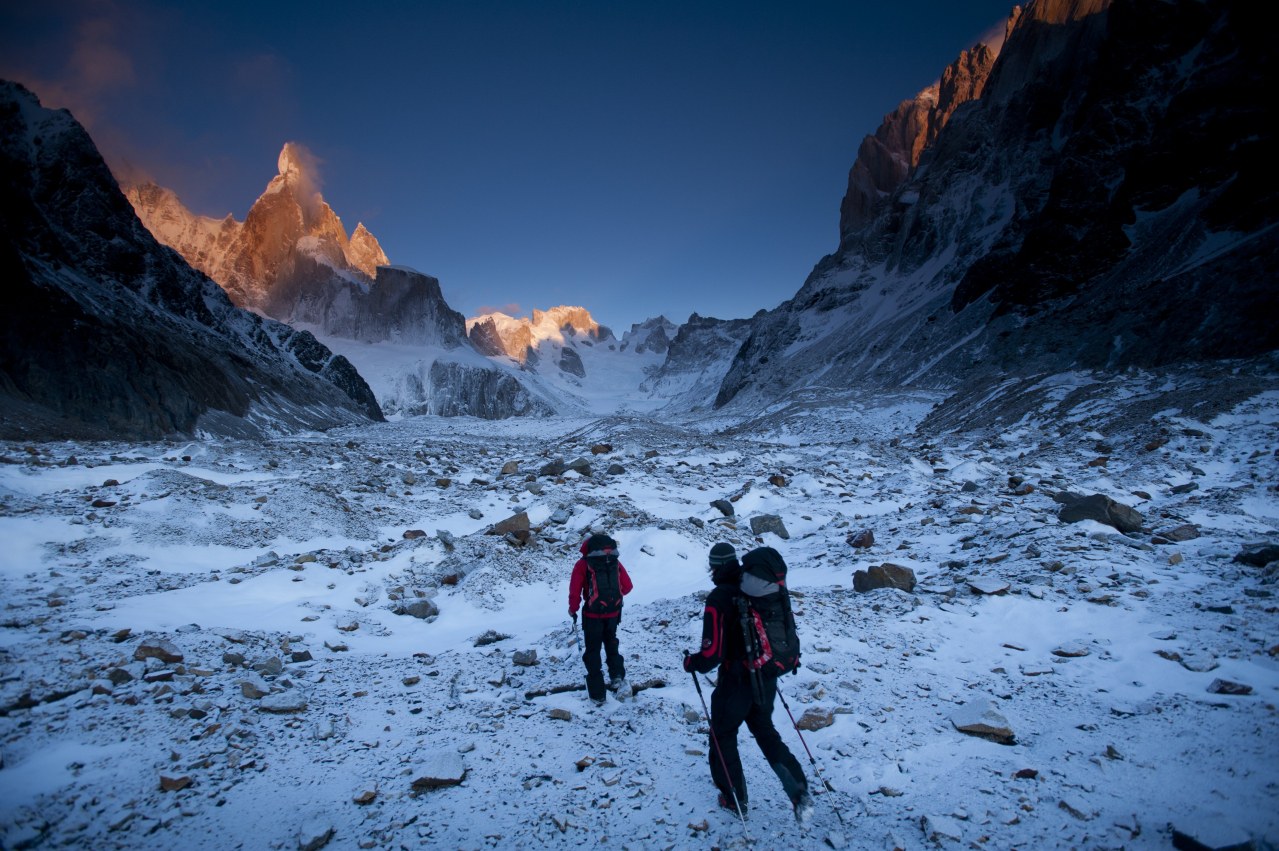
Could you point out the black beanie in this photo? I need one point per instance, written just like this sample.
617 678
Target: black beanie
723 554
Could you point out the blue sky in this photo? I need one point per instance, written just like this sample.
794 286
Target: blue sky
634 158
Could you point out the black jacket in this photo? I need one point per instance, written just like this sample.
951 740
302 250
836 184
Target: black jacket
722 641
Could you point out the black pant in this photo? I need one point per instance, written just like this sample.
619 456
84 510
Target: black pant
599 632
733 702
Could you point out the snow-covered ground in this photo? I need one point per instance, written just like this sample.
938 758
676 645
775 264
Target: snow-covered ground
276 570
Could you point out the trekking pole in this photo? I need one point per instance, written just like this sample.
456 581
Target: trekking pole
720 753
811 759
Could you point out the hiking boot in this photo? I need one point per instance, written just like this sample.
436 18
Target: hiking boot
727 803
621 689
803 808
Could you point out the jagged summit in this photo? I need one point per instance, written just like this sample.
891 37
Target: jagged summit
267 262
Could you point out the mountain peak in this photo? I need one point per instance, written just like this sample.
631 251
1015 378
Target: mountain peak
291 161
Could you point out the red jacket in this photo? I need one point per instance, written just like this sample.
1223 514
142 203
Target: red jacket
577 586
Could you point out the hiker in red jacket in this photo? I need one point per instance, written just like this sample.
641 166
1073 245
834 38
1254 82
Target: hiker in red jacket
598 584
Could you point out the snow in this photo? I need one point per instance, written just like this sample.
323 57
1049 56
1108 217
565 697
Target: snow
273 548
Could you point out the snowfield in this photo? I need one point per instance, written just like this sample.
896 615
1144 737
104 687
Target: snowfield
314 642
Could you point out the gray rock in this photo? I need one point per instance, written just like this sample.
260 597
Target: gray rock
988 585
1072 650
158 648
419 609
441 768
510 468
1210 832
525 658
939 829
616 470
982 718
270 666
254 687
515 523
491 637
886 575
561 516
1258 554
474 514
724 506
315 833
1220 686
283 702
1100 508
762 523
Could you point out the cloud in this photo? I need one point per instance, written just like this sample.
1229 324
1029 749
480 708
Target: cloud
512 309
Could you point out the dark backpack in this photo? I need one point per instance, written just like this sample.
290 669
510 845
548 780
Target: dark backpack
603 585
768 624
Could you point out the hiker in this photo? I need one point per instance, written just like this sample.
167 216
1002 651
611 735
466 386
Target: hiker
735 697
598 584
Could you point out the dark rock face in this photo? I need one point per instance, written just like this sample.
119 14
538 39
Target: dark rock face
460 390
571 362
884 576
697 359
1101 200
108 334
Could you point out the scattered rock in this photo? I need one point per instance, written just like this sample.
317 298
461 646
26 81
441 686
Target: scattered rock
1100 508
314 834
514 523
413 534
601 449
283 702
254 687
762 523
777 481
491 637
988 585
982 718
560 714
442 768
1220 686
368 796
525 658
724 506
174 784
939 829
1258 555
158 648
1199 832
1076 808
419 609
886 575
616 470
861 540
1072 650
815 719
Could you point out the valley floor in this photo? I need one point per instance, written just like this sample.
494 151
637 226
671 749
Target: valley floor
286 704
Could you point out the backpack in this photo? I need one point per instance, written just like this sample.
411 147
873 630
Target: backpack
603 586
768 624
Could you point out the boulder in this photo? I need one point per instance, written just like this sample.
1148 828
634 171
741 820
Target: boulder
815 719
158 648
987 585
861 540
442 768
514 523
1258 555
886 575
315 833
982 718
601 449
1100 508
762 523
510 468
525 658
724 506
1220 686
283 702
491 637
419 609
254 687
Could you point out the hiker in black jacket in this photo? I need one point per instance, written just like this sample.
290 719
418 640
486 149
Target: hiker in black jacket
733 700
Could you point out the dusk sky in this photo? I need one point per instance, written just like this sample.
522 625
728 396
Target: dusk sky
635 158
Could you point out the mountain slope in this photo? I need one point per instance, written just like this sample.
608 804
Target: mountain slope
108 334
1104 202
